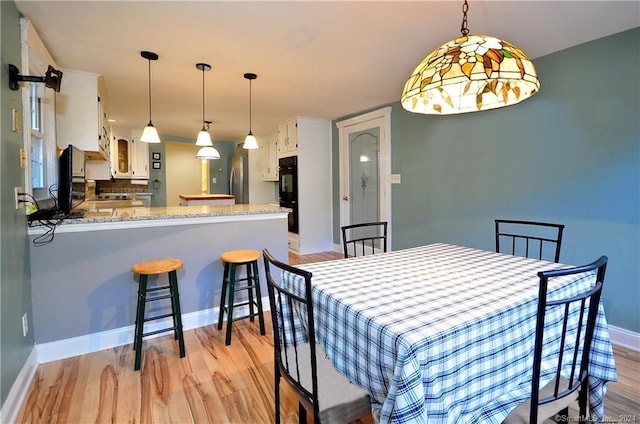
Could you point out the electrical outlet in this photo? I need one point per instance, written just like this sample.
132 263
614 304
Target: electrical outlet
214 180
396 179
18 190
25 325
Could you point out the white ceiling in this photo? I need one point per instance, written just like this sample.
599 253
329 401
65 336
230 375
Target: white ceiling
324 58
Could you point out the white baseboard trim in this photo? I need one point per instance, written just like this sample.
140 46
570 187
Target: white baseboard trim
18 392
624 338
95 342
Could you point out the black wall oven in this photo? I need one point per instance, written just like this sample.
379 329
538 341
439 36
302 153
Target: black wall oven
288 189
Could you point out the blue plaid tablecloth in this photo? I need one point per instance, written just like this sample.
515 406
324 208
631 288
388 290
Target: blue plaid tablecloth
441 333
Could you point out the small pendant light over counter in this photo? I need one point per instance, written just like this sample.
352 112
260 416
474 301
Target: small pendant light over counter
470 74
207 152
204 138
149 134
250 141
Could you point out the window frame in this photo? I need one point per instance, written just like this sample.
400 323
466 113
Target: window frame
35 59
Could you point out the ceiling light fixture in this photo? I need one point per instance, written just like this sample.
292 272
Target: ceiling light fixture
470 74
149 134
250 141
204 138
207 152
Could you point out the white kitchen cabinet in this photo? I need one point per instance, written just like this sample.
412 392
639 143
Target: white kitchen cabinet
269 157
129 156
315 231
77 164
139 157
288 138
80 114
120 156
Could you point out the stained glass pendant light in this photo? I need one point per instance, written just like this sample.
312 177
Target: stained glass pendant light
470 74
149 134
250 141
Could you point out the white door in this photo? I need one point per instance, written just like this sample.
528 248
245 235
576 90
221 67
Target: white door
365 168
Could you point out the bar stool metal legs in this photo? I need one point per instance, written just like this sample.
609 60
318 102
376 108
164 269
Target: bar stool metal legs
232 260
146 294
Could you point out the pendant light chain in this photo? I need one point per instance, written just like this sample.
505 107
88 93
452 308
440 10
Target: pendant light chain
465 8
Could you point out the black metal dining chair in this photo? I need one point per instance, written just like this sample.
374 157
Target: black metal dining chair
529 238
320 388
364 238
569 350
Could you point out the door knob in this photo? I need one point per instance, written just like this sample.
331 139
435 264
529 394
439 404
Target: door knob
345 198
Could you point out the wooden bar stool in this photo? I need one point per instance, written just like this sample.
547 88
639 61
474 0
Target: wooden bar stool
144 269
232 259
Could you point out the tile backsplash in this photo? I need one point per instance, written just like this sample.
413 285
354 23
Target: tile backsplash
120 186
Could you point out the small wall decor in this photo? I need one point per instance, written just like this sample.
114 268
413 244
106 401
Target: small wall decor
155 156
157 165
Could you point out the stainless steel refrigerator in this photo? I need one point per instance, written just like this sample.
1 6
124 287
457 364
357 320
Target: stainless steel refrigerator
239 176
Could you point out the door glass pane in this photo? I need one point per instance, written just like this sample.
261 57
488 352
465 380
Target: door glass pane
364 176
123 156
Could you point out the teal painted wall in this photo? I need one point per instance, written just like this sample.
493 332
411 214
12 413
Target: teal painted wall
157 177
570 154
218 168
15 289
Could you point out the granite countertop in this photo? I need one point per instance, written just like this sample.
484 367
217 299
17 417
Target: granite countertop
96 215
135 213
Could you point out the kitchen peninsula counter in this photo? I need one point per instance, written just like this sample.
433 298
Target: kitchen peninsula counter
101 215
84 293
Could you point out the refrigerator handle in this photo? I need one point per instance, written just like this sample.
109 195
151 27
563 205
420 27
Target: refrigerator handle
231 181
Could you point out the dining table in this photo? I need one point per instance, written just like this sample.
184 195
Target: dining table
442 333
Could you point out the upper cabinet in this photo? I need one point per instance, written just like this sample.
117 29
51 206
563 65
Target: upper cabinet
269 157
129 156
81 114
139 157
288 138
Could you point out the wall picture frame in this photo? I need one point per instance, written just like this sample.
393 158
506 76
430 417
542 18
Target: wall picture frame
155 155
157 165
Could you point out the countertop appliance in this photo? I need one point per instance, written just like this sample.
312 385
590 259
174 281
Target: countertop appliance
239 176
288 189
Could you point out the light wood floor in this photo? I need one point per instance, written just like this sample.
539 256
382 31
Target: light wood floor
214 383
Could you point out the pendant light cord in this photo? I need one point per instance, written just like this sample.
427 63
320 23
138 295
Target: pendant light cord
249 106
465 8
149 60
203 123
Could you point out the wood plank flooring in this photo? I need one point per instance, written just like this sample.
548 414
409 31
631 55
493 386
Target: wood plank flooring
214 383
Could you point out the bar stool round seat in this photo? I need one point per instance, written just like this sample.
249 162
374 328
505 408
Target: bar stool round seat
157 266
251 284
240 256
169 291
